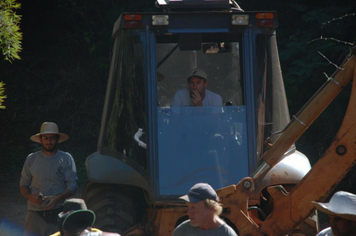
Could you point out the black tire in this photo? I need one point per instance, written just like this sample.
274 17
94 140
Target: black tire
117 207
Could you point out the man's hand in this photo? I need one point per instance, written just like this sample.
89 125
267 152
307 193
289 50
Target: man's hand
36 198
51 201
196 98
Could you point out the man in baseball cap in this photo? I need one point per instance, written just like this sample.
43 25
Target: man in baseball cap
197 94
77 219
203 212
75 215
341 210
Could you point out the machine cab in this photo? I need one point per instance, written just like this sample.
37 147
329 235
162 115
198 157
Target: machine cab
173 144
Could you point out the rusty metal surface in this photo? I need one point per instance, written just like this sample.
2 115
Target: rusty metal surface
310 112
291 208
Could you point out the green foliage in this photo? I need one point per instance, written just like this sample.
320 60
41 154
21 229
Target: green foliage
2 94
10 35
307 36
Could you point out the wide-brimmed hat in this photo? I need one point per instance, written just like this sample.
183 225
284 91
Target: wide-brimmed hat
200 192
49 128
198 73
341 204
74 211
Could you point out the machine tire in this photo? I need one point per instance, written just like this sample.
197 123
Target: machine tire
117 207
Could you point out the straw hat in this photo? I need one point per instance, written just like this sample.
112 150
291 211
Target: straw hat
342 204
49 128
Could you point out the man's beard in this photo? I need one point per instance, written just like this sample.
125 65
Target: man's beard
51 149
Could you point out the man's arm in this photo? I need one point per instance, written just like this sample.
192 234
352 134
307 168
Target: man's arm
71 175
53 200
109 234
181 98
216 100
176 101
25 183
36 198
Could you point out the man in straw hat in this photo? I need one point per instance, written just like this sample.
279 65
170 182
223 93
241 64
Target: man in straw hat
203 212
48 177
341 210
76 219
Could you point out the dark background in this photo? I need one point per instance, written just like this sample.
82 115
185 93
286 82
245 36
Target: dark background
65 61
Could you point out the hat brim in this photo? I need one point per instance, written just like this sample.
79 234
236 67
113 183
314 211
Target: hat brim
329 209
191 199
197 76
62 137
79 215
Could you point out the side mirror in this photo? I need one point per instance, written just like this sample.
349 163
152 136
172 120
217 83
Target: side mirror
220 47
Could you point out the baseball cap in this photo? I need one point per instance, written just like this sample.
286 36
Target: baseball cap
200 192
74 211
198 73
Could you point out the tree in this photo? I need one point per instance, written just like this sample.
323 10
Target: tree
2 96
10 35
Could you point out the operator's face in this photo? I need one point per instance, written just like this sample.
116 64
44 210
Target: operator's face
49 142
197 84
342 227
198 213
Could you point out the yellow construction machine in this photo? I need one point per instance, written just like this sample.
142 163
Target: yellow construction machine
150 153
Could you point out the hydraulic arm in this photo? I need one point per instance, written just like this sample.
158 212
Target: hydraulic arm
291 208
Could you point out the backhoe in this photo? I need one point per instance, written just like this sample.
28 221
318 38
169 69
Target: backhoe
150 153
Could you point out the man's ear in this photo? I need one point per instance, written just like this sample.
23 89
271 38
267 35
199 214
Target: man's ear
206 83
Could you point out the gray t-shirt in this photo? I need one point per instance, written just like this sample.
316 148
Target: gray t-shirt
186 229
50 175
